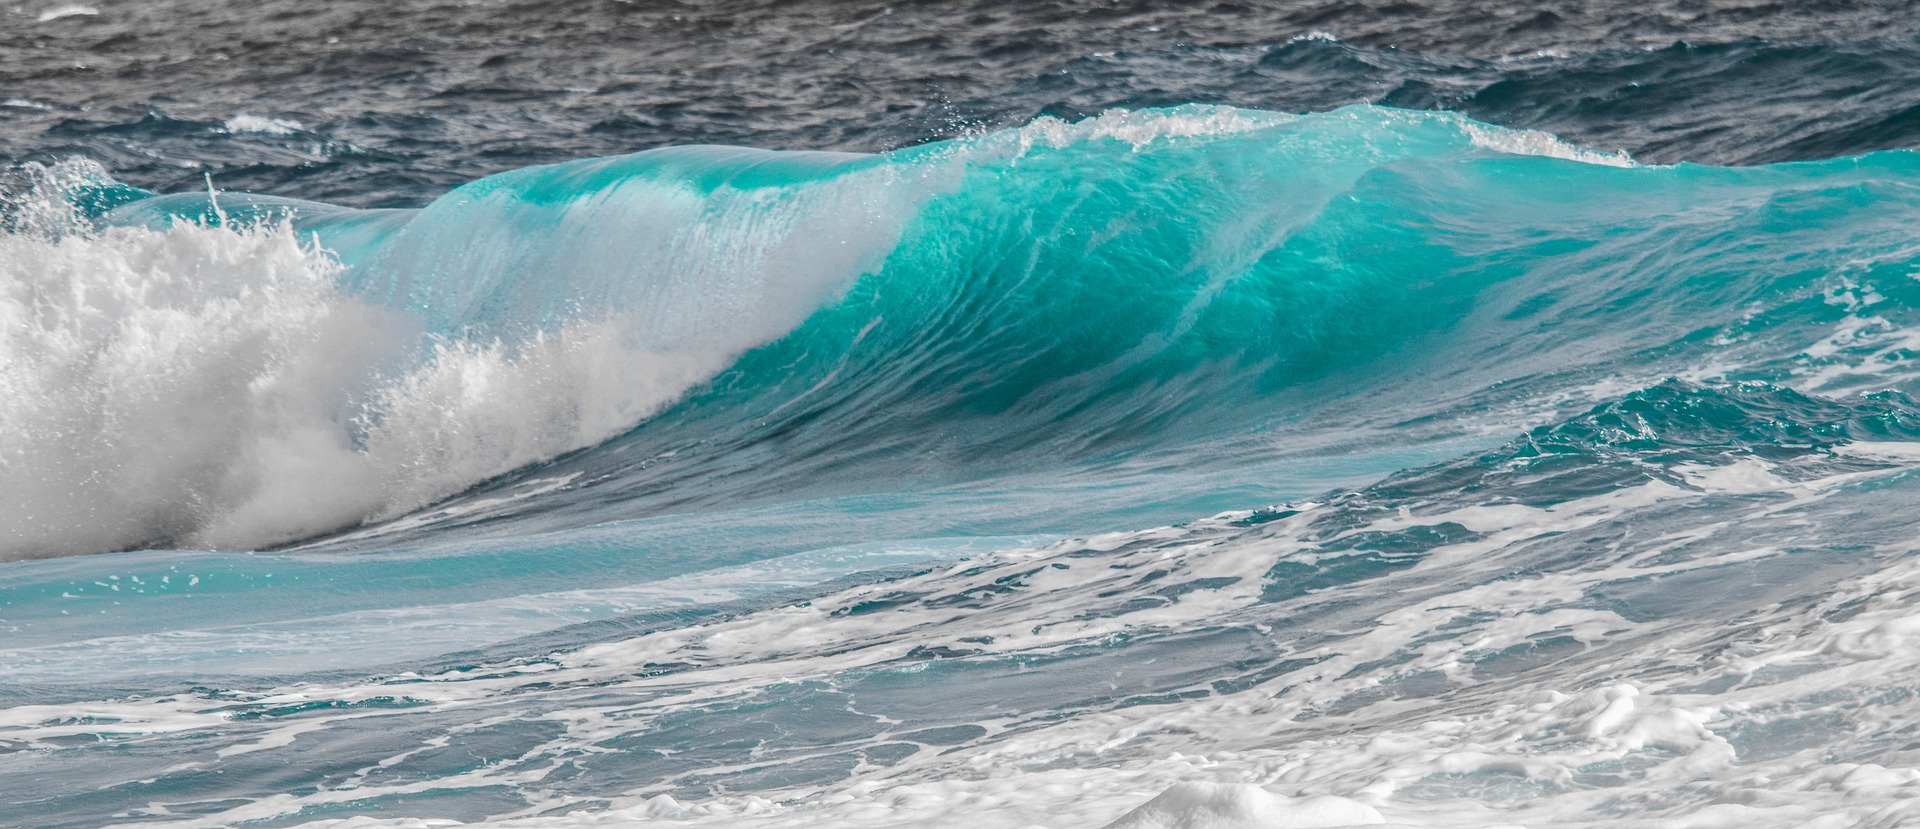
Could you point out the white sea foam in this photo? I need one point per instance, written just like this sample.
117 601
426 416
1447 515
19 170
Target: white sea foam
1643 721
210 386
244 122
213 387
1315 35
1145 128
1535 142
1494 681
1140 129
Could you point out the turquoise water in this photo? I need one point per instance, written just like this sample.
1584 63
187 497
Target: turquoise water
1067 298
1043 453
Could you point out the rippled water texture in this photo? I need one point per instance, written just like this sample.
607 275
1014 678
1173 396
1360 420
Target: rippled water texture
391 104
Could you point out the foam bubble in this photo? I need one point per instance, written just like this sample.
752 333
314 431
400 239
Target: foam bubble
262 124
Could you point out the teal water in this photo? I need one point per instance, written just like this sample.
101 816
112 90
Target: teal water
1168 405
1066 298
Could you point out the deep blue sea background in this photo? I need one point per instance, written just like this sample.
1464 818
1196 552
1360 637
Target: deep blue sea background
399 102
986 414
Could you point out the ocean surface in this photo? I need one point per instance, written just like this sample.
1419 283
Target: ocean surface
984 415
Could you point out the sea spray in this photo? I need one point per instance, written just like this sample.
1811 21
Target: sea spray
221 379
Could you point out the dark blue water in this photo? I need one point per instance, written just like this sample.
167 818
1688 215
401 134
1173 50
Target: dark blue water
397 103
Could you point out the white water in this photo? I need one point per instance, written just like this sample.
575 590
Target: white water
213 386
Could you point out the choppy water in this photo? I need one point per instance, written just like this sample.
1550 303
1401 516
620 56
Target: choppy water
990 415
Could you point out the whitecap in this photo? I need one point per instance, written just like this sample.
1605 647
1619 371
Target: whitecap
244 122
70 10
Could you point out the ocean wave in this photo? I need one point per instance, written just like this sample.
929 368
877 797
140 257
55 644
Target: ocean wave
1050 297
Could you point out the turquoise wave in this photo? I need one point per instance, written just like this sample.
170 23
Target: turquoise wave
1193 283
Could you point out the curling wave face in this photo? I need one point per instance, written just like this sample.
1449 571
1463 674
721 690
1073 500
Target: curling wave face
239 372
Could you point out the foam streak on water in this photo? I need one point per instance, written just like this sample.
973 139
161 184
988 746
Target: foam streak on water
1445 662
